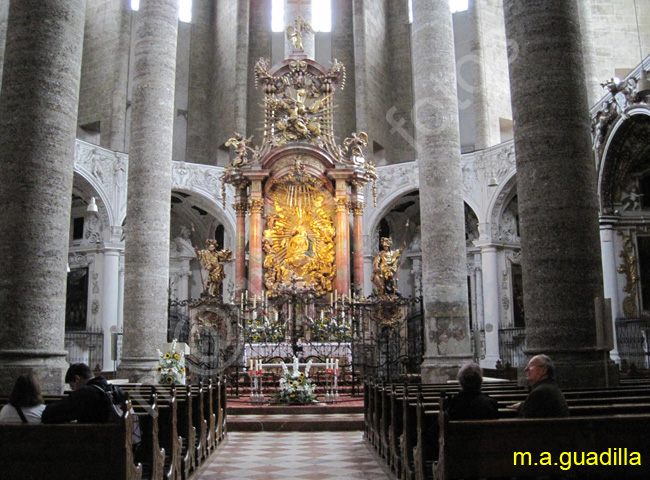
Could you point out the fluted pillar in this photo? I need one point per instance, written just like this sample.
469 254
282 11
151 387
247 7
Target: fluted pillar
556 184
38 123
148 200
444 268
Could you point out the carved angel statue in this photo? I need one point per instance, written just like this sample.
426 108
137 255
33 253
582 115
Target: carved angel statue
384 268
295 32
242 146
213 260
352 147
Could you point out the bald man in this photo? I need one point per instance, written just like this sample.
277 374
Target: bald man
545 398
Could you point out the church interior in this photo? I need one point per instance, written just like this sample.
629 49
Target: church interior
377 190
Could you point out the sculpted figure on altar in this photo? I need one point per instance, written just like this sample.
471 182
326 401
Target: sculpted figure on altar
384 268
213 261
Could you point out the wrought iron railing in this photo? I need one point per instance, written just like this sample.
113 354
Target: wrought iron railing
85 347
633 341
512 342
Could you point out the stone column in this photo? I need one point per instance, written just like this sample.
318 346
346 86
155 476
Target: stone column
110 298
490 282
38 123
444 263
556 184
610 284
292 10
357 238
148 198
342 202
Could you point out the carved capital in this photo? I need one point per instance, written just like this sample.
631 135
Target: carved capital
342 204
240 208
357 208
256 205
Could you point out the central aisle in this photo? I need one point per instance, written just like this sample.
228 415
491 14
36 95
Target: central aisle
293 455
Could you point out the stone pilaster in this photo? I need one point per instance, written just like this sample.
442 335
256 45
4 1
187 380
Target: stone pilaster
110 298
38 122
556 184
444 266
490 282
148 199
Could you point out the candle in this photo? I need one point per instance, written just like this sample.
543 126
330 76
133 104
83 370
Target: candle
337 366
254 301
350 294
276 315
322 314
336 296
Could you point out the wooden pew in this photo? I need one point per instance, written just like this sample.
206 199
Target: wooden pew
71 451
149 453
486 448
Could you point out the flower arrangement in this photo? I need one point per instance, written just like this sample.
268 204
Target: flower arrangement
328 329
295 386
264 330
171 366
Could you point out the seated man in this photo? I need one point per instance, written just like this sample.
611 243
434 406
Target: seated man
87 401
470 403
545 398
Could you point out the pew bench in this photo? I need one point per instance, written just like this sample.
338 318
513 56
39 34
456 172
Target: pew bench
607 446
69 451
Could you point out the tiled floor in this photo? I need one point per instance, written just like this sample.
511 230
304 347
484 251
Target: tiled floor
294 456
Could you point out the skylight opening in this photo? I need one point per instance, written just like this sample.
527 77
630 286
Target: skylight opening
454 6
321 15
277 16
184 10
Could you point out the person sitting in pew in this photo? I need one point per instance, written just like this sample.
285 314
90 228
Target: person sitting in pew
25 401
470 403
545 398
86 403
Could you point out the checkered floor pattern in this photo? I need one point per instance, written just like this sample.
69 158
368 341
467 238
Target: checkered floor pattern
294 456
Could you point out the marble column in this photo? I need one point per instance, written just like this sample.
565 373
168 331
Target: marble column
38 123
342 202
292 10
255 230
610 275
110 299
556 184
444 268
240 206
148 198
490 282
357 238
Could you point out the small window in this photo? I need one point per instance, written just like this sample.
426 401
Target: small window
78 228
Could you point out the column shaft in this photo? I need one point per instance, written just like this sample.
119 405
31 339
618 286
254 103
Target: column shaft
560 245
110 301
444 261
148 199
38 122
490 284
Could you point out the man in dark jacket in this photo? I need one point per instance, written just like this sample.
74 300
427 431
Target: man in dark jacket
86 403
470 403
545 398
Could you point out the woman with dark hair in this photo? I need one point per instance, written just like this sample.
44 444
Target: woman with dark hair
25 401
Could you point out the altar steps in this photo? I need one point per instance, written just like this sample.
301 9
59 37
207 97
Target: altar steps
343 416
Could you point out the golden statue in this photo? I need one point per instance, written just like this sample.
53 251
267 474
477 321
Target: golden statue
213 260
242 146
294 33
384 268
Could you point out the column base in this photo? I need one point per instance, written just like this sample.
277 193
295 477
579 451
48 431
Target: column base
490 361
138 370
578 369
440 369
50 367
